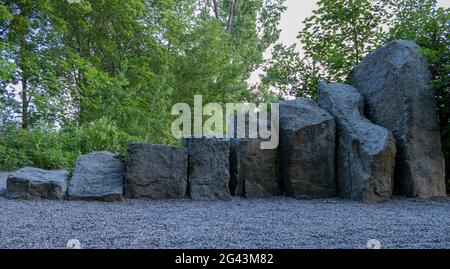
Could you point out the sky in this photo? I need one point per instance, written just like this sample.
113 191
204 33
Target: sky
292 20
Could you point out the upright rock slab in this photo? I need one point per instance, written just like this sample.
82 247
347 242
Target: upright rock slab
208 166
394 82
254 171
365 151
156 172
97 176
35 183
307 150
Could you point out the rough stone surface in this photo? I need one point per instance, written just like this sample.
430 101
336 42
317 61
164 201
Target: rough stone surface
394 82
35 183
307 150
208 166
254 171
365 151
97 176
3 177
156 172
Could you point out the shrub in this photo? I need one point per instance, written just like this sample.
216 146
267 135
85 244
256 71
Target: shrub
52 149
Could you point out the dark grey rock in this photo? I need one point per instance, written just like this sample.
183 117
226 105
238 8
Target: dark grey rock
307 150
365 151
156 172
208 166
394 81
97 176
35 183
254 171
3 177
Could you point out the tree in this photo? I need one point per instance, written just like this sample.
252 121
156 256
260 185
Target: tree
113 67
290 74
339 34
27 38
94 68
223 56
334 39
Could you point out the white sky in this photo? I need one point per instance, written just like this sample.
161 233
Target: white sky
292 20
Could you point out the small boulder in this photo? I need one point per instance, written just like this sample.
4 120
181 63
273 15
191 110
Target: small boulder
307 150
394 81
208 162
97 176
35 183
156 172
365 151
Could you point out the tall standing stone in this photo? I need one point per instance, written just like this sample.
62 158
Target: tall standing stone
209 168
97 176
254 171
394 81
307 150
155 172
365 151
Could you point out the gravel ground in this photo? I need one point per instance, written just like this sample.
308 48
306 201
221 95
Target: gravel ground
240 223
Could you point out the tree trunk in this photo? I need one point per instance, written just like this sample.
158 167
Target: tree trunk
23 57
216 9
355 39
233 10
24 102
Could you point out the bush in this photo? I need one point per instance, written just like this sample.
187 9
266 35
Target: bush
11 158
51 149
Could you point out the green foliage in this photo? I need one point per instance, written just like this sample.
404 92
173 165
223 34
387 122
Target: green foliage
59 149
93 75
290 74
339 34
42 149
334 39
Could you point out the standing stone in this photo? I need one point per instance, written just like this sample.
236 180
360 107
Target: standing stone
307 150
209 165
97 176
156 172
254 171
394 81
35 183
365 151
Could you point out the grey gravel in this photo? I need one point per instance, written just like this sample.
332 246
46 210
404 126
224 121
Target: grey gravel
240 223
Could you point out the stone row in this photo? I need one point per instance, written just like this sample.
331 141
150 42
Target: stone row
362 141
